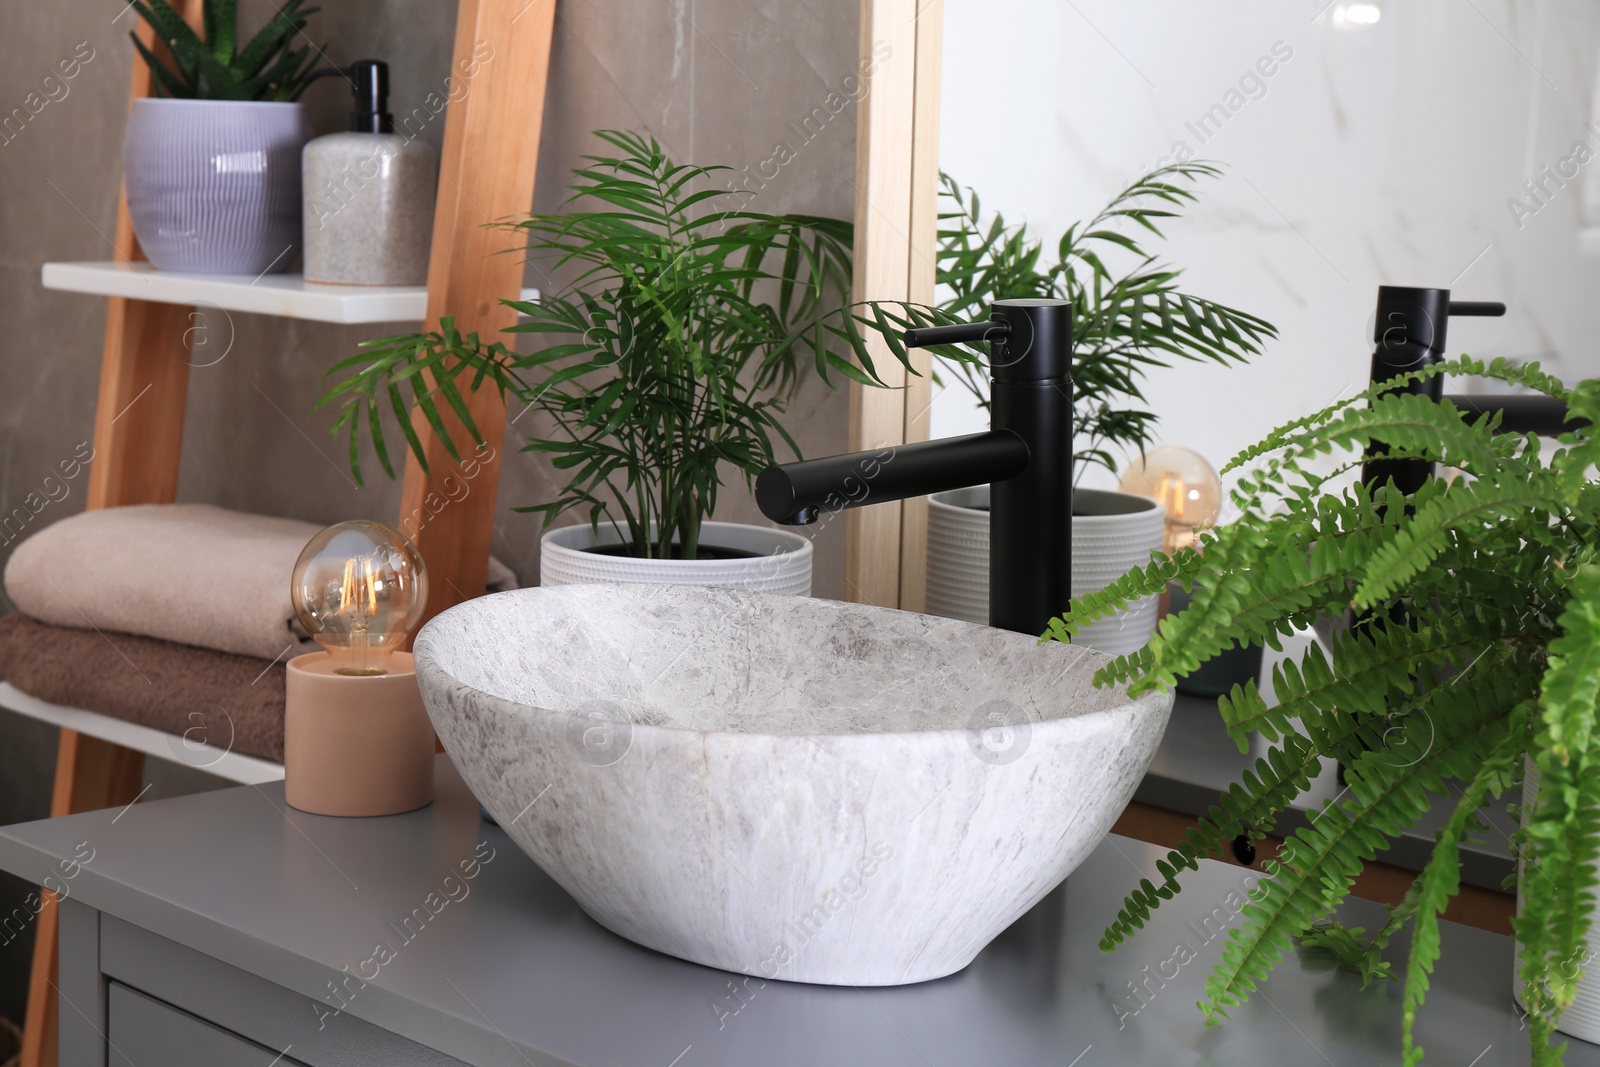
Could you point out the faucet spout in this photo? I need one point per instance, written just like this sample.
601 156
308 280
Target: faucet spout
1026 458
796 494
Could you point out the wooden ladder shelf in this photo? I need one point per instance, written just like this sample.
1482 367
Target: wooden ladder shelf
144 379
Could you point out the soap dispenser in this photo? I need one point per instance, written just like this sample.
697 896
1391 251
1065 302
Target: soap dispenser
369 194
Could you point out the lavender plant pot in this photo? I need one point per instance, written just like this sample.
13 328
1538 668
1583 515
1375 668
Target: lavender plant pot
214 185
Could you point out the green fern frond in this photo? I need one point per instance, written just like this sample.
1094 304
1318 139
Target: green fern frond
1347 945
1526 375
1407 421
1148 580
1561 835
1497 497
1440 879
1249 806
1366 674
1476 597
1572 678
1575 467
1388 790
1263 588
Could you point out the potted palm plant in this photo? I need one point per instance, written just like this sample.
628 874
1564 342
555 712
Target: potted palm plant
211 162
1124 325
1473 671
672 354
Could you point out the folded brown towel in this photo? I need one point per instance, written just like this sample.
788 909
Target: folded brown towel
190 573
196 694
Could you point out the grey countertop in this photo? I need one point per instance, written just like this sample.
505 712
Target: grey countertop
1197 761
505 969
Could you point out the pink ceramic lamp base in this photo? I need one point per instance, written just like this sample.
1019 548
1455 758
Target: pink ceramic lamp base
356 745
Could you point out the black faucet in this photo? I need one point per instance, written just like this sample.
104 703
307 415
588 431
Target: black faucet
1026 457
1408 334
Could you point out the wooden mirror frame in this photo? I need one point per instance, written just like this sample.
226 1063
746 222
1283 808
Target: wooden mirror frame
896 222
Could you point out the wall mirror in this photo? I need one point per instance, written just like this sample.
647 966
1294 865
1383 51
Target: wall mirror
1427 144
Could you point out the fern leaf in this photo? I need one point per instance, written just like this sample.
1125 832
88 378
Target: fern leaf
1440 879
1562 831
1250 805
1572 679
1148 580
1365 675
1422 539
1388 791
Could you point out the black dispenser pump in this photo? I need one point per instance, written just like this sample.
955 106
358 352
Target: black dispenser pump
369 80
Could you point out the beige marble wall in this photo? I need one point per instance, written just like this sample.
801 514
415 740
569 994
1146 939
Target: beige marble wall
714 80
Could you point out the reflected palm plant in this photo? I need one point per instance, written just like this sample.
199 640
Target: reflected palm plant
1124 323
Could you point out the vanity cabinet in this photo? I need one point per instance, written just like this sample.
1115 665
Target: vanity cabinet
226 929
141 1029
160 1003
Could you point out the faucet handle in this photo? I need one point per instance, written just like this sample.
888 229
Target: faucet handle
1489 309
994 329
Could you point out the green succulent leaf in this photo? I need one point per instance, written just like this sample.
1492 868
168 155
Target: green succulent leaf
269 68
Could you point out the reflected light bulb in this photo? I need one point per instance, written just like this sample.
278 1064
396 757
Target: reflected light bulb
1356 16
1184 484
359 588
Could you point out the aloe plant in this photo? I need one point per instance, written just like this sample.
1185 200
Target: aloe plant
268 68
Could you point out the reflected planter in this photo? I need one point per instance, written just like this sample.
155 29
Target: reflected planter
214 185
1111 533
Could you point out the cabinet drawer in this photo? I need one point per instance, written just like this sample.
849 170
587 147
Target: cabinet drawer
144 1031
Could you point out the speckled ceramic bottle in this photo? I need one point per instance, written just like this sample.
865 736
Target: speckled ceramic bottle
369 195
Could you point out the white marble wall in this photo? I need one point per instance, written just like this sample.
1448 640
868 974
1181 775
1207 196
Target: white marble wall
1390 153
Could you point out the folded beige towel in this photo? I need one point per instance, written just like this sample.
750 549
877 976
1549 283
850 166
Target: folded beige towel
190 573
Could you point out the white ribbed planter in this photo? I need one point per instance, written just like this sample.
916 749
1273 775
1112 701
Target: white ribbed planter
1111 532
781 564
1582 1017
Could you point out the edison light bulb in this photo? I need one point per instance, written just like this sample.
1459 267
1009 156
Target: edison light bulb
1184 484
359 589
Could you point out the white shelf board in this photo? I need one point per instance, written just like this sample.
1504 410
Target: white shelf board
235 767
285 295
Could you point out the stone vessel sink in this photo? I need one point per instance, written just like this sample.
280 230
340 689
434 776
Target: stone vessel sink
780 786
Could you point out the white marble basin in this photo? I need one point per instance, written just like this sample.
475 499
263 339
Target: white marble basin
778 786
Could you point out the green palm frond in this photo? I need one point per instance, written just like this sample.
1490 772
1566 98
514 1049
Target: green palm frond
672 354
1126 322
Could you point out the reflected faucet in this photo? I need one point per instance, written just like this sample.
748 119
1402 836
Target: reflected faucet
1408 334
1026 458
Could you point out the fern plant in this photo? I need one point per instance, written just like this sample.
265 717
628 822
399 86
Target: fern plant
675 350
268 68
1125 323
1493 671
